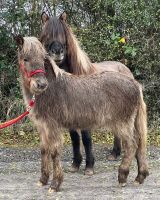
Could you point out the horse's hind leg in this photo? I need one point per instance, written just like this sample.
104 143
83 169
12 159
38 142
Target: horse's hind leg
77 157
116 151
142 164
129 153
141 131
87 142
141 158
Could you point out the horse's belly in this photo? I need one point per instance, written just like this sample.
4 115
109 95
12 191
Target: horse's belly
90 121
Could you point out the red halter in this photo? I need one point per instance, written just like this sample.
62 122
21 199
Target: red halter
31 73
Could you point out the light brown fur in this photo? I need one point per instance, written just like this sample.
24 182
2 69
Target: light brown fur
106 99
76 61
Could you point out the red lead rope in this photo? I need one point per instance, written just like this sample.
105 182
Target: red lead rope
31 103
13 121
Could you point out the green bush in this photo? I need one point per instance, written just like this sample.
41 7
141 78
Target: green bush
99 26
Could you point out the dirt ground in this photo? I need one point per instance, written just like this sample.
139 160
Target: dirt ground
20 171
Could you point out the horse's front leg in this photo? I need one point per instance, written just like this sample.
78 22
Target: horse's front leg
77 157
55 149
45 156
87 142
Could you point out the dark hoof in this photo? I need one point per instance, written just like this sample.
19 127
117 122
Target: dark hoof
122 176
55 184
141 176
43 181
89 171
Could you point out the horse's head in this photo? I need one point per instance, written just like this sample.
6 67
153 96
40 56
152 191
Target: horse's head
57 51
53 36
62 45
31 56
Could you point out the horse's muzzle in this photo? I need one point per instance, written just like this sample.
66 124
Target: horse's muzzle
39 85
58 58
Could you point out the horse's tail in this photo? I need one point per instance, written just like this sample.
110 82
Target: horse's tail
141 120
141 129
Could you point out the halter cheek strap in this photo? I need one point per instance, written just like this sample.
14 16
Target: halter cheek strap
31 73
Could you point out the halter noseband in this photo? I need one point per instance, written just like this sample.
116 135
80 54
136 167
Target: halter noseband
31 73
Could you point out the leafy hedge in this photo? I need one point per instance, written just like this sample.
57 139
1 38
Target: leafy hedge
100 26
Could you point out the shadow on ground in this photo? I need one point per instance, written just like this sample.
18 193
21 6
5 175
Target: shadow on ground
20 171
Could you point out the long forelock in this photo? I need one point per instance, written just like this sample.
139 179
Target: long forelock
53 30
77 60
32 46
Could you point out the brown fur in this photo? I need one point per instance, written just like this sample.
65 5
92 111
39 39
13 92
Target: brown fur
105 99
76 61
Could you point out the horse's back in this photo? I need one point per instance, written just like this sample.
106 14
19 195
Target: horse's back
113 66
108 95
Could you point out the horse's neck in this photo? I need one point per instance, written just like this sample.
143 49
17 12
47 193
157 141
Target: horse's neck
65 66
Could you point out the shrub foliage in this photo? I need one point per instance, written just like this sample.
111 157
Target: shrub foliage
126 31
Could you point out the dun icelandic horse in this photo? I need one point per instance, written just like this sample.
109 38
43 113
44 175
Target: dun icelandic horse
62 100
63 47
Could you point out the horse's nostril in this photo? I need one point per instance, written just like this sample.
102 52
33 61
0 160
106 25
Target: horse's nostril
41 85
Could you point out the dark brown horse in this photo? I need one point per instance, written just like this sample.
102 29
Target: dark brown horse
62 100
63 47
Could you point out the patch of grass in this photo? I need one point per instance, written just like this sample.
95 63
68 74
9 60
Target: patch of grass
154 137
27 136
21 139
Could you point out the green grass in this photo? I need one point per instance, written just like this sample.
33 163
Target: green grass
26 138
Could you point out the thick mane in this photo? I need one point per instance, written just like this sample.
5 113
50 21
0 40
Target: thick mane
57 71
53 30
32 46
77 60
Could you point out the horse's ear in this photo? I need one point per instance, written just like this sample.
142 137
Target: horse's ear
63 16
44 17
19 40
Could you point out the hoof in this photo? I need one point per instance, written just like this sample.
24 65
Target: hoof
122 184
44 180
50 191
74 169
136 183
88 172
39 184
112 157
142 176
